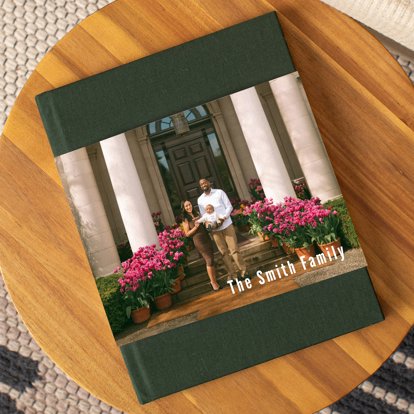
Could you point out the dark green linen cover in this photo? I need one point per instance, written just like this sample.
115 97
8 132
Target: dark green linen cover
165 83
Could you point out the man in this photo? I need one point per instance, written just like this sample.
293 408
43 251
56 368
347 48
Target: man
224 235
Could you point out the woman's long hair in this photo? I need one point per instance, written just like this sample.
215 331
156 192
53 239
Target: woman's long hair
185 214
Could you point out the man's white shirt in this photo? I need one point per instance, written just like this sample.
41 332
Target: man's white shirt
221 203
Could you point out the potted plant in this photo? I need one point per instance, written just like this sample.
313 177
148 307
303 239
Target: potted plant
293 220
161 288
138 307
301 242
240 220
135 282
176 287
260 215
257 229
172 242
325 234
152 272
134 286
279 227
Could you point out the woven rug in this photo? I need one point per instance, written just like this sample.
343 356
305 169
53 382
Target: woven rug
29 381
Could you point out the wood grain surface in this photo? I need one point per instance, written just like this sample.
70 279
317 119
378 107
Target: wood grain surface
364 106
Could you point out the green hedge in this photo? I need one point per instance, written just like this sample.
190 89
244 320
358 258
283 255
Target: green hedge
108 288
347 231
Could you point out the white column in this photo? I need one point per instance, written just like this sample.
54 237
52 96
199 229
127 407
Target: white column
87 207
304 134
129 193
149 161
262 145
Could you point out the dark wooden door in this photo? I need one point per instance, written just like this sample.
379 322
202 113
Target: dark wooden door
191 160
190 157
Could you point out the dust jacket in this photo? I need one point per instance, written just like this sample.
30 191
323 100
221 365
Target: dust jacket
208 208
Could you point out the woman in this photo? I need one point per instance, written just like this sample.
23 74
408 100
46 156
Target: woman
201 238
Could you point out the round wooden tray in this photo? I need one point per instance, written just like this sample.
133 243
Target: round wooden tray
364 106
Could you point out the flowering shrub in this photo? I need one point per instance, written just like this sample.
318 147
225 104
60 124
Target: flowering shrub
300 222
256 190
150 272
327 228
172 242
237 215
299 217
238 218
260 215
133 280
295 222
145 275
301 189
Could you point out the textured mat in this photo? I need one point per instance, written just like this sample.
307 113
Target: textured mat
29 381
393 18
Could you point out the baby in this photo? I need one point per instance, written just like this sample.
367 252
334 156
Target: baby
210 218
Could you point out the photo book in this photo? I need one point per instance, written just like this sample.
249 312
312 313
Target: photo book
208 208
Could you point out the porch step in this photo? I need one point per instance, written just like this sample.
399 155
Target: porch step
262 257
199 274
192 292
249 250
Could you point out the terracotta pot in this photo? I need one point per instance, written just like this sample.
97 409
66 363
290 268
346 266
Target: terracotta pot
262 237
287 249
164 301
140 315
176 287
180 272
307 252
327 247
274 242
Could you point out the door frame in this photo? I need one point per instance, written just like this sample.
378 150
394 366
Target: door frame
201 130
151 163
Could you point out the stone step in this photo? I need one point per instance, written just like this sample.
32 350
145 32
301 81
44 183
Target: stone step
203 286
201 277
256 253
248 251
193 277
199 289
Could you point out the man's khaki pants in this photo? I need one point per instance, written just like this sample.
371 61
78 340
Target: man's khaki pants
226 241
